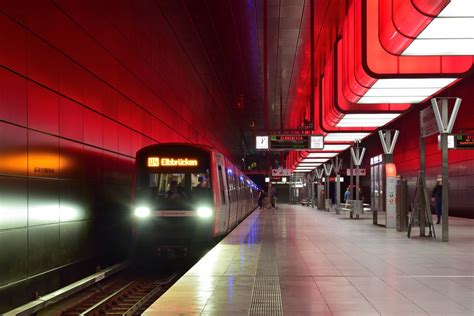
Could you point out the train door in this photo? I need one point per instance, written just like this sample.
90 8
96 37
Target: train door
232 196
240 201
224 197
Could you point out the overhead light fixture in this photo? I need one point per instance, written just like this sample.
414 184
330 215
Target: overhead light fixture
367 119
430 29
302 164
345 137
368 31
333 147
321 155
313 160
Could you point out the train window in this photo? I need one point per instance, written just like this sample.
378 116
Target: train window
178 190
221 184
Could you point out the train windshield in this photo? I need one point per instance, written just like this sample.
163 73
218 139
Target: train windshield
177 191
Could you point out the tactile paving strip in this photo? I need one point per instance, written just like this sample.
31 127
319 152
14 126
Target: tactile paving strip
266 294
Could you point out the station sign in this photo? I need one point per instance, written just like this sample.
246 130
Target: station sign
281 172
428 125
171 162
289 142
464 141
362 172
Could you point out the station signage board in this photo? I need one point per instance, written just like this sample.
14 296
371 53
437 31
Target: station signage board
464 141
428 125
362 172
281 172
289 142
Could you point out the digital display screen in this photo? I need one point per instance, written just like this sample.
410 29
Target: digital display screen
171 162
464 141
289 142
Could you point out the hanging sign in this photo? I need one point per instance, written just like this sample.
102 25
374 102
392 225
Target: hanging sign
428 125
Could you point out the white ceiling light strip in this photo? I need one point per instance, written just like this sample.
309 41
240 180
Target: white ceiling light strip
450 33
410 90
313 160
366 119
321 155
344 137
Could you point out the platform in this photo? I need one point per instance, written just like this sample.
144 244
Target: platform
300 261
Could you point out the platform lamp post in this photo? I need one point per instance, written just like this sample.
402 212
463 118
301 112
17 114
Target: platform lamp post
319 176
312 177
445 126
337 170
390 192
357 154
327 171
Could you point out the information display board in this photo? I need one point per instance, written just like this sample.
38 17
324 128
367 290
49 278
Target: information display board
289 142
464 141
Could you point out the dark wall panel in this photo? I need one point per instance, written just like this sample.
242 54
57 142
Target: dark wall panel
13 150
13 255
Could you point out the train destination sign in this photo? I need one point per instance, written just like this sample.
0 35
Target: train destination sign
289 142
464 141
171 162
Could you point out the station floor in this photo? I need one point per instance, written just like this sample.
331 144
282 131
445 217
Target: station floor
301 261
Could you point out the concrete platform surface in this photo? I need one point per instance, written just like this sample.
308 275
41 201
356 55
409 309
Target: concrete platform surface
300 261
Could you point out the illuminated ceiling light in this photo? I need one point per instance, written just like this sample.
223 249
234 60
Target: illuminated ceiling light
321 155
302 164
458 8
397 90
415 83
344 137
440 47
332 147
366 120
450 33
313 160
303 171
427 28
372 73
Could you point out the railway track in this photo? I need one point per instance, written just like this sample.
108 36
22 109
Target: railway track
122 296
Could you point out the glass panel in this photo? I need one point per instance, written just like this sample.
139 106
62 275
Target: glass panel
175 191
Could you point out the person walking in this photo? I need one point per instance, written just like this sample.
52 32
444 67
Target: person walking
347 195
261 196
437 198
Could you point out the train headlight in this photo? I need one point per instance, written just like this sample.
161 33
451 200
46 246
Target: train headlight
142 211
204 211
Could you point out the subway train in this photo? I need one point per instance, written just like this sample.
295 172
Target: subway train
186 195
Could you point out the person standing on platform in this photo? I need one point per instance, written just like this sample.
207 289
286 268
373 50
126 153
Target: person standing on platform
437 197
347 195
261 196
273 198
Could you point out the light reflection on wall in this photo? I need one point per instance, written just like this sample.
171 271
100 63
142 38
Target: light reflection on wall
44 213
38 162
71 213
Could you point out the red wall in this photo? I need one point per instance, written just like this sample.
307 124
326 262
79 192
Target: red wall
83 86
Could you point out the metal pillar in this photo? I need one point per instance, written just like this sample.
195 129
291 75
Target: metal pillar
357 154
319 176
389 198
445 126
337 170
327 171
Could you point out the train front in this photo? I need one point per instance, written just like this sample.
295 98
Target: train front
173 199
